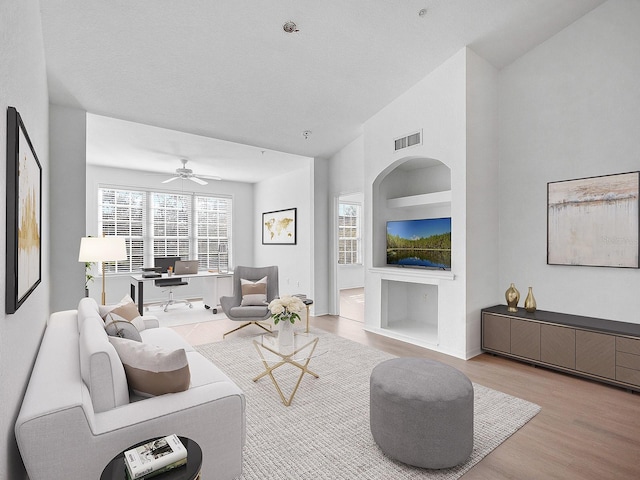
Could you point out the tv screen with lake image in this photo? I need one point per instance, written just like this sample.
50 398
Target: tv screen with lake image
424 243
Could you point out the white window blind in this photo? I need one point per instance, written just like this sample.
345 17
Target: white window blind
165 224
213 224
122 214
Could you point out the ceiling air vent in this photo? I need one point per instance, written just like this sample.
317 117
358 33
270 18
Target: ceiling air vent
408 141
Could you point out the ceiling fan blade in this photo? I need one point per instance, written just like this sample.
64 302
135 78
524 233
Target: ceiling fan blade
210 177
198 180
170 179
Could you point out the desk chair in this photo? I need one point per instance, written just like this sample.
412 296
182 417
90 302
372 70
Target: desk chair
250 314
171 282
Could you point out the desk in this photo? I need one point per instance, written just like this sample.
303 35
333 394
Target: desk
213 288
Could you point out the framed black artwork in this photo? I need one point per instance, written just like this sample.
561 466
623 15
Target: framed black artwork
24 214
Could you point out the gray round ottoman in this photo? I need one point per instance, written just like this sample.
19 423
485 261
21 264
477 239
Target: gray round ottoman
421 412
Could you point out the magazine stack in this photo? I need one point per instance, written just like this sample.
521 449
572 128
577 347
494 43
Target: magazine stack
155 457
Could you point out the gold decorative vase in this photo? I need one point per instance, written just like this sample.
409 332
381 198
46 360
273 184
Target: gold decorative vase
512 295
530 302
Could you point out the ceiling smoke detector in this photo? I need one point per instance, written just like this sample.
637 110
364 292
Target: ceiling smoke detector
306 134
290 27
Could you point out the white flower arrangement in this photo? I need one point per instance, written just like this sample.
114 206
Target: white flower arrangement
286 307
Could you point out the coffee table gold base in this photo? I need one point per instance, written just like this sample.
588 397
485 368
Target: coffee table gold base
286 359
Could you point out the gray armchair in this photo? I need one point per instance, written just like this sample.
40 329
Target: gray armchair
250 314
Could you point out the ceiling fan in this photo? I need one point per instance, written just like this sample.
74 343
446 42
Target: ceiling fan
186 173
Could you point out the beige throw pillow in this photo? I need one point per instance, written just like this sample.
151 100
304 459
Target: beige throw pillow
254 293
153 370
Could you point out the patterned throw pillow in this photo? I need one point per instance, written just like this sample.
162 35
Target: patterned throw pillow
125 310
153 370
254 293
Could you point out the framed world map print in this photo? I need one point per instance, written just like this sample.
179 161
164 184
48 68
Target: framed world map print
24 214
279 227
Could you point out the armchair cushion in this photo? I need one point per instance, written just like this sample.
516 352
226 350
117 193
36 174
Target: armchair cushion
250 312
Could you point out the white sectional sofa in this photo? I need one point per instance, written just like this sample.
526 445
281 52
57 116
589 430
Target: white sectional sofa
78 413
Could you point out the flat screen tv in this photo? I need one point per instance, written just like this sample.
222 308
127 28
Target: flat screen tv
424 243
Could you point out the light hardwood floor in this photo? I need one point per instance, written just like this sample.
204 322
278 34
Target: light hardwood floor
585 430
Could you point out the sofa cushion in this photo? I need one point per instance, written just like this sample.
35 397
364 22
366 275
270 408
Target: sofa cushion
153 370
165 338
100 367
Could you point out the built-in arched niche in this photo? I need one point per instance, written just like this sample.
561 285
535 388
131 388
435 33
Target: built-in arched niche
410 188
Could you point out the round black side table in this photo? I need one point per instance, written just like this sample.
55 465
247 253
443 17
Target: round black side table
115 469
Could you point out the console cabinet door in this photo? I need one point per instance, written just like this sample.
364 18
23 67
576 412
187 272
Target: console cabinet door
558 346
596 353
525 339
496 332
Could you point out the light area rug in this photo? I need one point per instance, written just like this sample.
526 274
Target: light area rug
325 433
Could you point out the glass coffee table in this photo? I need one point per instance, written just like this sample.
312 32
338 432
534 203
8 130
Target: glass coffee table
305 347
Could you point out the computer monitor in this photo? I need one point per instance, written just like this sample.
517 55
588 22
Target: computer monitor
165 262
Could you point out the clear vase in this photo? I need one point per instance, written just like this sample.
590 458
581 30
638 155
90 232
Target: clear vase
285 336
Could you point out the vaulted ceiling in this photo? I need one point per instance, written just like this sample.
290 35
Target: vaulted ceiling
226 69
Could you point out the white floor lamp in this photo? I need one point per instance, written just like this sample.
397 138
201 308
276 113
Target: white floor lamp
102 249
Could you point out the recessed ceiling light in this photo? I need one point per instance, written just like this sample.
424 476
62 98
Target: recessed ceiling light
290 27
422 12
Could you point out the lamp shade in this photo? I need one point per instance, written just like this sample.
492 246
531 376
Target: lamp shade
102 249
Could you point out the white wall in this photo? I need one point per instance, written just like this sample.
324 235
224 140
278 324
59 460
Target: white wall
292 189
437 106
346 176
482 185
243 228
320 237
569 109
68 140
23 85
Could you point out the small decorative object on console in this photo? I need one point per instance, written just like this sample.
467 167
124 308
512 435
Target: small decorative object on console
155 457
530 302
512 295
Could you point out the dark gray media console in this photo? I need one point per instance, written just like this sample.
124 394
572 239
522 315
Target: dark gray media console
603 350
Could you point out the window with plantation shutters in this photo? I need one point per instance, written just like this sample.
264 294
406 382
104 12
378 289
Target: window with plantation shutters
171 223
122 214
349 241
166 224
213 224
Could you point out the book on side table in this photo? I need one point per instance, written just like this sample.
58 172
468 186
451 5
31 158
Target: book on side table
155 457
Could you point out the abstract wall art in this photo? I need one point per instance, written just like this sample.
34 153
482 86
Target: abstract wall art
594 221
24 214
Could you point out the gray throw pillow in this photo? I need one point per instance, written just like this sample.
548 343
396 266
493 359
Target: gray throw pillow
121 328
